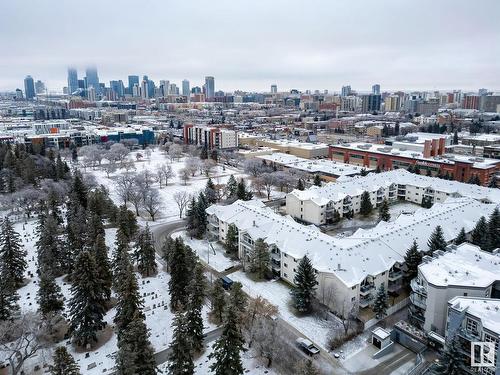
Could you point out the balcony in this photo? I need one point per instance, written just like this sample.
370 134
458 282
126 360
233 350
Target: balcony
395 275
366 289
394 286
469 336
275 264
418 301
365 301
417 288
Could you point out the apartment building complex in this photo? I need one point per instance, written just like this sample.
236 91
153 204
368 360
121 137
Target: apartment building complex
317 205
349 269
210 137
463 270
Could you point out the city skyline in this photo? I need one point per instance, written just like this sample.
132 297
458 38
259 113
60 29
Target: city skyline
251 46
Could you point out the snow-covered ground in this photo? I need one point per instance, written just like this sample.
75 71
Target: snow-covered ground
251 365
169 210
278 293
212 253
154 291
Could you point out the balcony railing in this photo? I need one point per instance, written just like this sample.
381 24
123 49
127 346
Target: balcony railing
418 301
366 289
395 275
365 301
417 288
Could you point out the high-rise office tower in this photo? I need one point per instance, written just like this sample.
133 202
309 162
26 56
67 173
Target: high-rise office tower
209 87
185 88
39 87
72 80
93 79
164 87
81 84
118 88
376 89
274 89
196 90
132 80
346 91
91 94
136 90
145 88
29 88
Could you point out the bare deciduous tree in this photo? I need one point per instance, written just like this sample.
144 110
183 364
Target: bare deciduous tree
192 165
184 175
208 166
22 339
182 199
175 152
152 202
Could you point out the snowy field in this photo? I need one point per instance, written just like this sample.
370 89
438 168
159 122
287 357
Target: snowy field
168 210
214 255
154 291
278 293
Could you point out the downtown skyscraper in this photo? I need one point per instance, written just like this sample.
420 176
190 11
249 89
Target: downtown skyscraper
72 80
29 88
209 87
93 79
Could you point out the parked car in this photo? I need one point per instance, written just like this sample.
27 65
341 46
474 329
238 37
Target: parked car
307 346
226 282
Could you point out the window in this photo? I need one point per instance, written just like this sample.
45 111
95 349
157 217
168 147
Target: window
285 275
285 265
471 326
465 294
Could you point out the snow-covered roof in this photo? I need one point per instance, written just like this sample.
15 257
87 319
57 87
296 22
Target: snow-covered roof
467 265
366 252
485 309
355 186
324 166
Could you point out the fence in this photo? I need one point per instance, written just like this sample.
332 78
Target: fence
391 310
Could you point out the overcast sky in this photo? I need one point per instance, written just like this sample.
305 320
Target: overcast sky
250 44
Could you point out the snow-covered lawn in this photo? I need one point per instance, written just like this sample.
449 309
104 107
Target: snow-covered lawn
278 293
214 255
154 291
251 365
169 210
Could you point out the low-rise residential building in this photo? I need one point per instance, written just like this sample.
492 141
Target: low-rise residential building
475 320
349 269
328 170
301 149
463 270
317 205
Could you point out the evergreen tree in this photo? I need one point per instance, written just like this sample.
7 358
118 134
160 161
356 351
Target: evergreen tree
129 301
180 269
260 258
461 238
79 189
191 217
300 184
493 182
451 360
366 205
380 304
167 250
317 180
242 192
104 273
479 235
238 300
49 253
383 211
232 239
413 258
8 299
231 187
135 353
87 305
307 367
181 357
12 254
305 285
76 231
436 241
64 363
121 259
455 137
144 253
227 348
204 154
194 318
210 193
50 298
95 227
127 222
218 297
494 230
